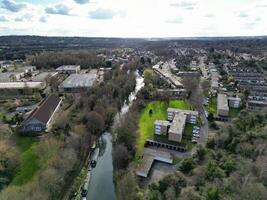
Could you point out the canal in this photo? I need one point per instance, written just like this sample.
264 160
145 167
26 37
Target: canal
101 186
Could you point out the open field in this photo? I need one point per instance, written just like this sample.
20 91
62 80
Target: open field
146 120
29 160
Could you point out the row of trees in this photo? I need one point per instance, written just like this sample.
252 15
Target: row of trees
51 60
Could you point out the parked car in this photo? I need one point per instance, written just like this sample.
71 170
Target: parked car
196 135
194 140
195 131
206 113
196 128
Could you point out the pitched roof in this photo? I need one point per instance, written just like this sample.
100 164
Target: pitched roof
46 109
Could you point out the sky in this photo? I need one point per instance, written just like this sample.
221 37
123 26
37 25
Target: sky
134 18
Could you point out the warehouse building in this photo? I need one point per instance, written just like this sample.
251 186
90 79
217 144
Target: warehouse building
11 76
69 69
78 82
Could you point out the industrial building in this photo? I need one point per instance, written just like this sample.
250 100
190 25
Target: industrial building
78 82
21 85
11 76
26 69
43 76
40 119
222 105
69 69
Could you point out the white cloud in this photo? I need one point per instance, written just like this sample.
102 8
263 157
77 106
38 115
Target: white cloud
101 13
81 1
3 19
138 18
59 9
12 6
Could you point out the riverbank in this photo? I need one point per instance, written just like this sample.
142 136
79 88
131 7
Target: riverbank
102 175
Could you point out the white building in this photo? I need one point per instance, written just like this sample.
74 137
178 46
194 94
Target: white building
234 102
69 69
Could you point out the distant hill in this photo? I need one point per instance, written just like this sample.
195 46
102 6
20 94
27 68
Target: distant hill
16 47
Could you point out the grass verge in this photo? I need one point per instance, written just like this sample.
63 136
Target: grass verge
29 160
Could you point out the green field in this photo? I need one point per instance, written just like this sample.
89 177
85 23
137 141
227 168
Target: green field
212 107
233 112
29 160
146 120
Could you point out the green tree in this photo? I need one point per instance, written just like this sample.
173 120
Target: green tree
213 193
187 165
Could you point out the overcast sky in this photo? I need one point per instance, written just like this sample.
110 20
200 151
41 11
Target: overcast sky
133 18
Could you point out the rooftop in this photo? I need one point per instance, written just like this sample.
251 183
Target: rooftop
149 156
79 80
46 109
222 102
68 67
162 123
176 110
8 75
177 125
21 85
42 76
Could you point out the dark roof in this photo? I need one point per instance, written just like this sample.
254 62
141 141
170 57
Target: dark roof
46 108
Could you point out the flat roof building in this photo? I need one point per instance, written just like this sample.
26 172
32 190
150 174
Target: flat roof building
11 76
222 105
21 85
257 105
78 82
177 127
191 115
69 69
234 102
149 157
161 127
26 69
41 77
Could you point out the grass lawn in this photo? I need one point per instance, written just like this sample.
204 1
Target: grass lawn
212 107
233 112
29 160
146 120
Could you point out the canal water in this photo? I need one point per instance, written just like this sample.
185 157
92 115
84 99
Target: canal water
101 186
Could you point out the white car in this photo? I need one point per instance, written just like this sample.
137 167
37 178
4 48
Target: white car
195 131
196 128
194 140
196 135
